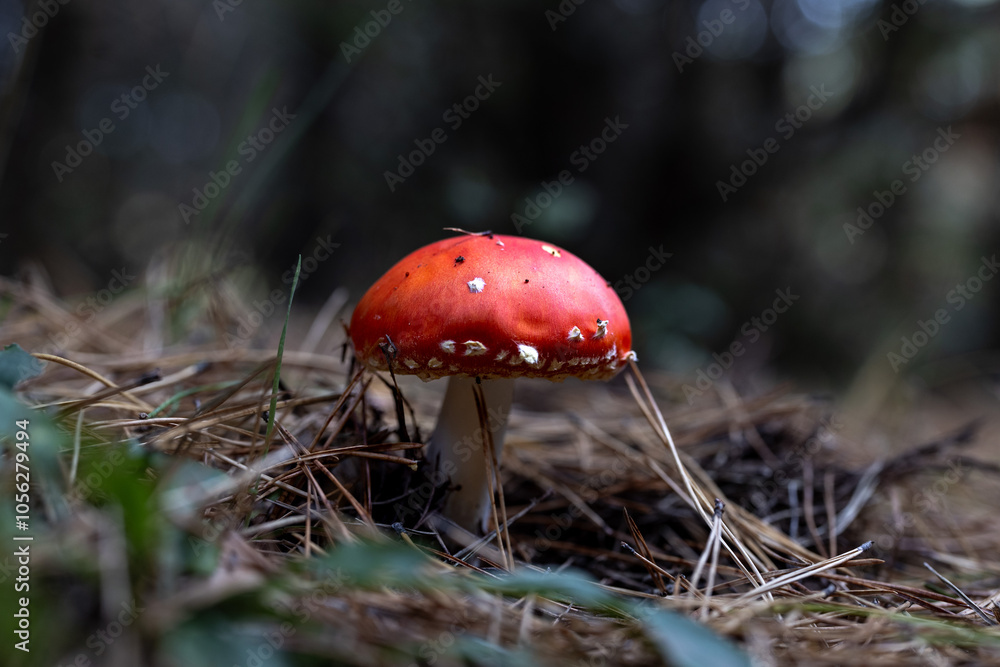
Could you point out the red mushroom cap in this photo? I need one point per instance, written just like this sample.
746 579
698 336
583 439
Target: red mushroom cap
495 307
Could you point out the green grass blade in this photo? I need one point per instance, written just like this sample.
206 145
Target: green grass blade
277 364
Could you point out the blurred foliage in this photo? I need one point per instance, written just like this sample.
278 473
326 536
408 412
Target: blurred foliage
699 88
113 579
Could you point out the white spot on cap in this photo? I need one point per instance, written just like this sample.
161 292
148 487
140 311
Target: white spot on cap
434 362
448 346
502 355
410 363
499 243
612 353
556 365
476 285
552 251
575 334
602 328
474 348
525 353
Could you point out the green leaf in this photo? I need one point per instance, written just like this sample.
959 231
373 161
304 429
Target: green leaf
44 438
377 564
16 365
210 639
687 643
679 640
568 586
477 651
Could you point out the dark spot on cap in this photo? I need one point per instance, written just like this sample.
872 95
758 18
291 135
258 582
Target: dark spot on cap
459 259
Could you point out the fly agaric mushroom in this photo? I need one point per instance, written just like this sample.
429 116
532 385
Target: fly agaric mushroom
494 308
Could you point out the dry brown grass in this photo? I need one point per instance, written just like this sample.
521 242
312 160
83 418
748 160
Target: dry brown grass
749 519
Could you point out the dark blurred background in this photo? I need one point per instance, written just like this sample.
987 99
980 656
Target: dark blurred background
739 136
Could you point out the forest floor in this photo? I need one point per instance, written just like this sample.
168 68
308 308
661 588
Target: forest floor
173 523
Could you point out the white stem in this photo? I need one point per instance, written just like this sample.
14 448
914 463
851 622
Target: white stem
457 448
